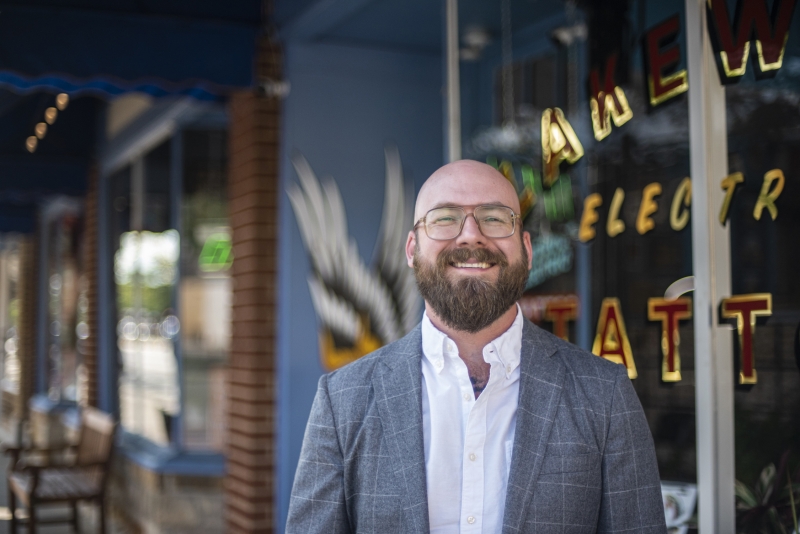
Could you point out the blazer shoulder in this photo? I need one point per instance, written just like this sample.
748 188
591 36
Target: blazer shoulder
360 371
579 362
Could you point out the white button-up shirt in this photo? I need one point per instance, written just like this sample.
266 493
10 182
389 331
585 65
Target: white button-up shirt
468 441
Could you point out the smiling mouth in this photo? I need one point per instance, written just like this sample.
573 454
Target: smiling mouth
479 265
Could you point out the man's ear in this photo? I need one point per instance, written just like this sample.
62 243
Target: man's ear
411 244
526 243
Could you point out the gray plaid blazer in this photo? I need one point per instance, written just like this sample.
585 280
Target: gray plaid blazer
583 457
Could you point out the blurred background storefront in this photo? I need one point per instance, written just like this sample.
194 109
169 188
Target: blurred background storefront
203 205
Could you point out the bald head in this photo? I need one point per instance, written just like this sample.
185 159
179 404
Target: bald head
465 183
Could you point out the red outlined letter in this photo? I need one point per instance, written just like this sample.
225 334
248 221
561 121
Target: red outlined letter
608 102
669 312
611 341
560 311
732 41
661 87
745 309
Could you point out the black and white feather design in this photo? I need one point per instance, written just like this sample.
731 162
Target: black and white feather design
344 290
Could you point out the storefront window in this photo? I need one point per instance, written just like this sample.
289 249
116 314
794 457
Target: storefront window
585 111
145 268
763 118
205 287
174 291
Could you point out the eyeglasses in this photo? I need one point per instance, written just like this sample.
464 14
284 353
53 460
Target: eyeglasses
446 223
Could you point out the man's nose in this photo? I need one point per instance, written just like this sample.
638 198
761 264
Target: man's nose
471 232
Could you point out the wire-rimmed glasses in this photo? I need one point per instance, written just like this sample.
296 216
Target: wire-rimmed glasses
447 222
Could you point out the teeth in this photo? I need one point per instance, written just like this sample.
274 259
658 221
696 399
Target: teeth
472 265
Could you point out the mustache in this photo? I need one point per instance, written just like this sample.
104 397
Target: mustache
461 255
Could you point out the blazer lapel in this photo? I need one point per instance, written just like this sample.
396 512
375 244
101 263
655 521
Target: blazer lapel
398 391
541 383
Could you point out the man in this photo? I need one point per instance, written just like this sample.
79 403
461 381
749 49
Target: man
477 421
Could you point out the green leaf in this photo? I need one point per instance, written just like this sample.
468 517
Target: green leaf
745 495
765 483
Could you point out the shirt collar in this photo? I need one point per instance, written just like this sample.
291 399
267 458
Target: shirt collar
508 346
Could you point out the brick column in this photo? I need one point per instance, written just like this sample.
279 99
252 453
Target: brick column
90 266
253 191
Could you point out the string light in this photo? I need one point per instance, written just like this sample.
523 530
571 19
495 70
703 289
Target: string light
50 115
61 101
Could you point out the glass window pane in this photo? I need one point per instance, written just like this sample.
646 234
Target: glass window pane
527 109
764 146
206 257
146 271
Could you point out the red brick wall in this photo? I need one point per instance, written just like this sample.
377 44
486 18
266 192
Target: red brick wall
253 191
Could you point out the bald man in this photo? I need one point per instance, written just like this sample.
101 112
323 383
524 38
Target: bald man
477 421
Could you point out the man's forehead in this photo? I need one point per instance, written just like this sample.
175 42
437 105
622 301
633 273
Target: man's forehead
465 183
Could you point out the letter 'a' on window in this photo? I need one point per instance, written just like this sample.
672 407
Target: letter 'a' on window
559 143
611 341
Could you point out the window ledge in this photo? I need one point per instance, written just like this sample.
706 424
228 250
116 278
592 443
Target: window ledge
168 460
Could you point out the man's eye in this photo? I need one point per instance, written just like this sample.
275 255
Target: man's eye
444 220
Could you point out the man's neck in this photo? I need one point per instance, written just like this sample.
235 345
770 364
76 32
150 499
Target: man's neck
470 345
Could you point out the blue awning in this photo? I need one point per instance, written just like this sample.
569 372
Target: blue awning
199 48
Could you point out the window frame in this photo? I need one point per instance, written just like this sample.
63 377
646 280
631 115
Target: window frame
165 121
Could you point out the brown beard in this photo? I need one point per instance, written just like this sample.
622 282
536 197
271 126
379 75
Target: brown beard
470 304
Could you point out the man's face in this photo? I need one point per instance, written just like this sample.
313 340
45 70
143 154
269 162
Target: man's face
471 280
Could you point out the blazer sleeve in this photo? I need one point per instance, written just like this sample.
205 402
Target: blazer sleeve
631 499
317 503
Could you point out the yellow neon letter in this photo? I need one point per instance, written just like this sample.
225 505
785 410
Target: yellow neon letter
615 226
684 191
729 184
767 198
648 207
589 217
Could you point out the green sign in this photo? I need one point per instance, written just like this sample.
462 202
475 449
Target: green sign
217 253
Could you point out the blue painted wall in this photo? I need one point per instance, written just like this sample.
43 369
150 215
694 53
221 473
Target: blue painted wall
345 104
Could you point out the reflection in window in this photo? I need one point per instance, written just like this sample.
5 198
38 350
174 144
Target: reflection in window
505 98
763 121
145 269
174 291
206 257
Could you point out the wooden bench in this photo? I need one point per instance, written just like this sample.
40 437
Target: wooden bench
36 478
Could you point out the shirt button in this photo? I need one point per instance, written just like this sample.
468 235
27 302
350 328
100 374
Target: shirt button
470 520
466 397
439 363
508 368
449 346
472 456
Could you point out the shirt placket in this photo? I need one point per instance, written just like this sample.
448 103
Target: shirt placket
473 459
